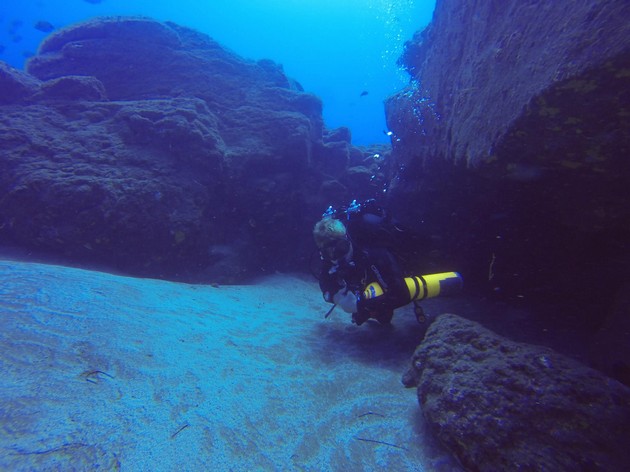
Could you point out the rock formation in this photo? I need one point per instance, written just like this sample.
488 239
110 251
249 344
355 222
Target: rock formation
501 405
148 148
512 145
495 85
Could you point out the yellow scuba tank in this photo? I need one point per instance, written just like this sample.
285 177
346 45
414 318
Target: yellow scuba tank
423 286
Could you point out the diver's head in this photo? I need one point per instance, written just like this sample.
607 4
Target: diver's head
332 240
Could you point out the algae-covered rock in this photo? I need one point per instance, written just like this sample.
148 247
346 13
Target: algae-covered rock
502 405
143 146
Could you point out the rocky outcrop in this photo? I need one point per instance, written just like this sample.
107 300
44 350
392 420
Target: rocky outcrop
493 83
501 405
15 86
535 106
149 148
512 142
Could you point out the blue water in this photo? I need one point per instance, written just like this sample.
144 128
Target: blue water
337 49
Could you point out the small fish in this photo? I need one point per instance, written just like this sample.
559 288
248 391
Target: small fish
364 93
2 48
44 26
15 25
16 39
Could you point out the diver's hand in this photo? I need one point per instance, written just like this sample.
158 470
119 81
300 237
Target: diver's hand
347 301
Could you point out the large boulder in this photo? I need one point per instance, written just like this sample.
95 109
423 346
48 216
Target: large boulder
149 148
501 405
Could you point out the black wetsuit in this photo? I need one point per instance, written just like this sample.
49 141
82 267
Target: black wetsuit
370 263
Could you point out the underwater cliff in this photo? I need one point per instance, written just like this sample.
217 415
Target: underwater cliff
513 139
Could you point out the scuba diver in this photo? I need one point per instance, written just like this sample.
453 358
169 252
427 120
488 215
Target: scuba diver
359 272
352 258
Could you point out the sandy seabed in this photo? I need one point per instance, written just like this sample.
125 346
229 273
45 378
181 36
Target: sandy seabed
104 372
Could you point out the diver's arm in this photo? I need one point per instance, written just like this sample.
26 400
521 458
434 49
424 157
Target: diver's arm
328 284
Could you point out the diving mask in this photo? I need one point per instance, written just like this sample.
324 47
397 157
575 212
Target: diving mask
336 249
